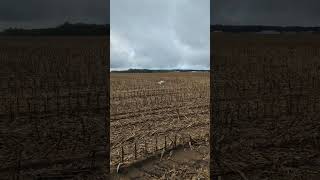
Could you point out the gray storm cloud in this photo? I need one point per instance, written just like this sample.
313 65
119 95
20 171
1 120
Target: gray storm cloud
48 13
266 12
160 34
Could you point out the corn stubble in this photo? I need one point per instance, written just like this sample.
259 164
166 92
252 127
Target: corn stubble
265 106
52 107
154 118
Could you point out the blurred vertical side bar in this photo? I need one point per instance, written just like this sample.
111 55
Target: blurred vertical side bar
54 99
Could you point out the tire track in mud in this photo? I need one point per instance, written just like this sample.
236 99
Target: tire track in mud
179 163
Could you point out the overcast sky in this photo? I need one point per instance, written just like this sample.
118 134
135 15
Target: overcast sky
162 34
48 13
266 12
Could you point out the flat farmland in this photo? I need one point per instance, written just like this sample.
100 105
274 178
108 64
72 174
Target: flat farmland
53 108
265 106
156 117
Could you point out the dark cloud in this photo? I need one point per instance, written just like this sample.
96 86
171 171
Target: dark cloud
43 13
266 12
160 34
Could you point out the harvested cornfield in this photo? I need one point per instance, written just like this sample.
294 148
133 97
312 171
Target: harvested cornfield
265 106
53 107
154 115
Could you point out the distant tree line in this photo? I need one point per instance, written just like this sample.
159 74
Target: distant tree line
158 70
260 28
66 29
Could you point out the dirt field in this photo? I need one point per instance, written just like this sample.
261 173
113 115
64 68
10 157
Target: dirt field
53 107
150 118
265 106
180 163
